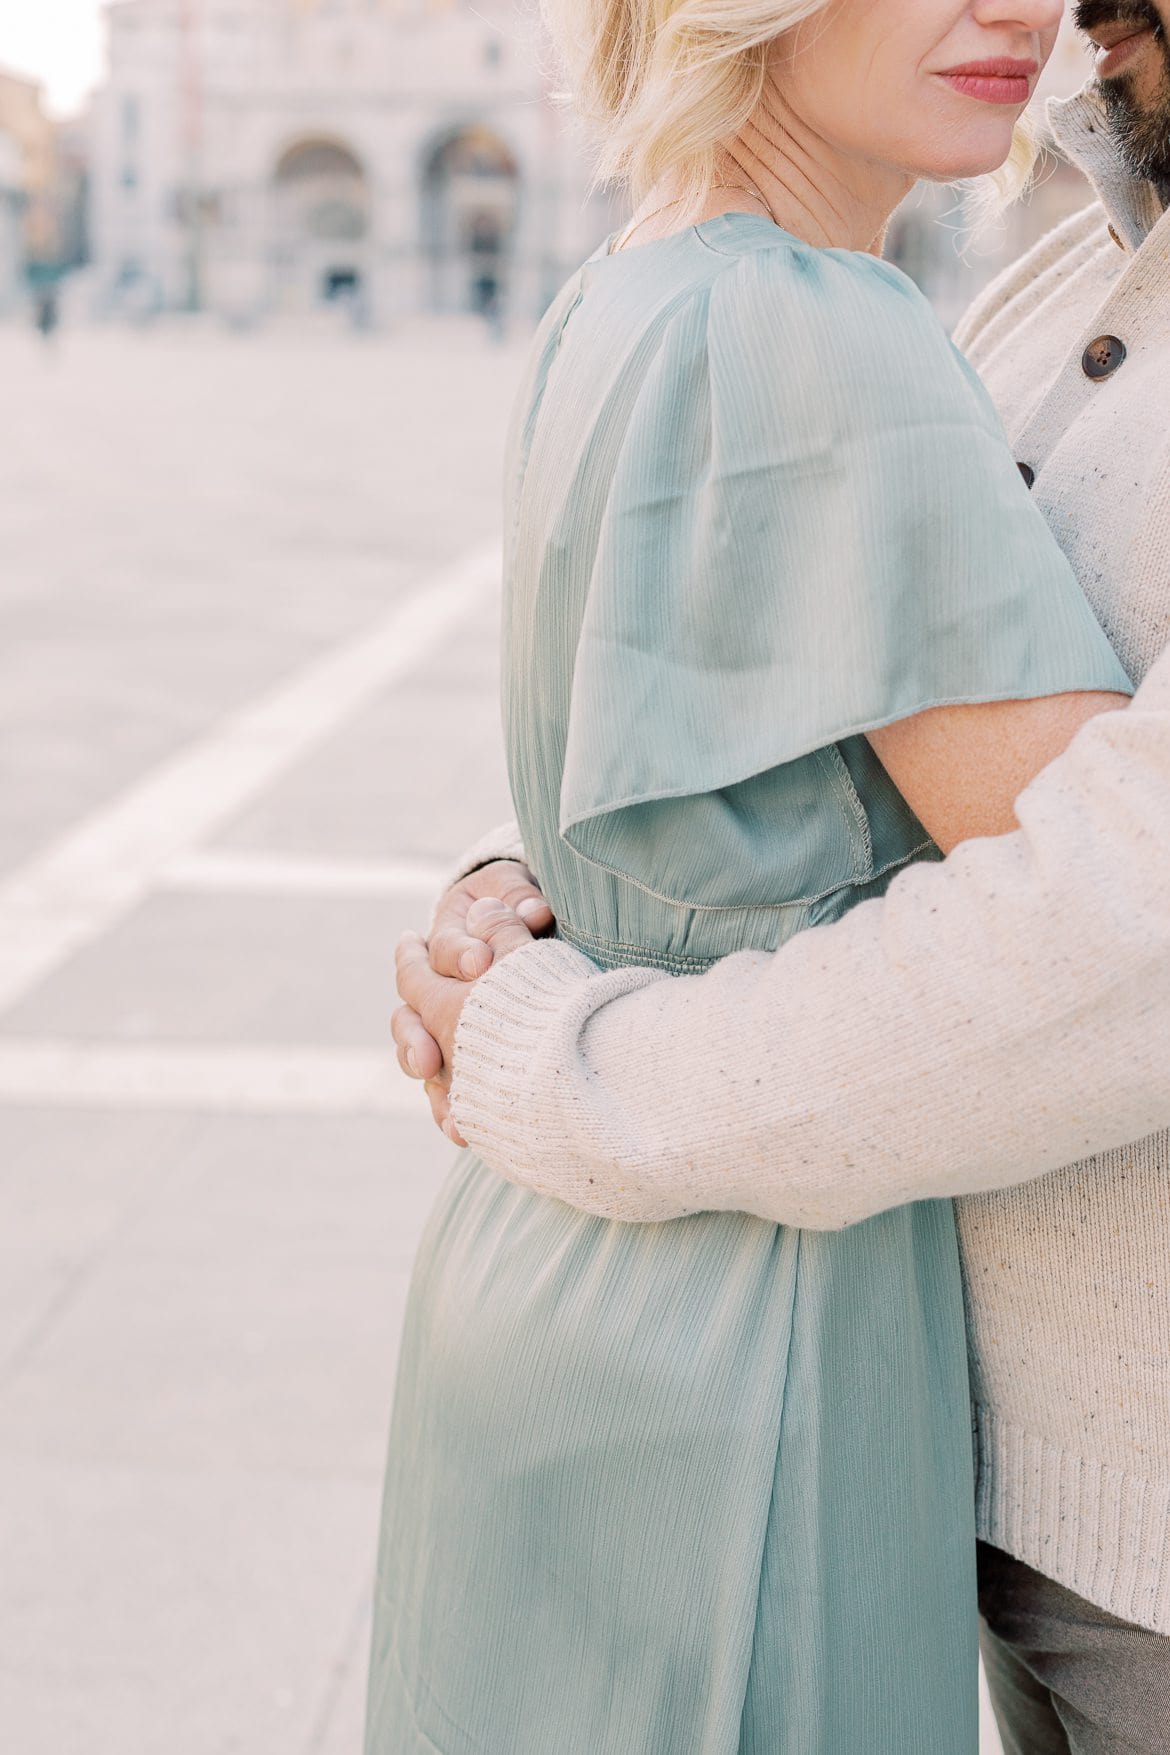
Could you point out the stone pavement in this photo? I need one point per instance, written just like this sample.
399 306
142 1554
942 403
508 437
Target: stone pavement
236 575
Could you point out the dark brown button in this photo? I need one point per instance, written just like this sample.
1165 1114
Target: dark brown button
1115 235
1028 473
1103 356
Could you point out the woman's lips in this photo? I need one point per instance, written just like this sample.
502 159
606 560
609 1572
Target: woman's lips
999 81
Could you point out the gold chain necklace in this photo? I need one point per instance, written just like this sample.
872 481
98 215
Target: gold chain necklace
636 225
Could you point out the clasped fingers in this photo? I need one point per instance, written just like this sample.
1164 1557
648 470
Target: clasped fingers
436 1001
419 1055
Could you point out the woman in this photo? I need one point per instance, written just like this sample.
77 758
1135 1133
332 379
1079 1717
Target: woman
780 618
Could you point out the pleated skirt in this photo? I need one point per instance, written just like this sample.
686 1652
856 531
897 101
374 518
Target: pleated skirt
701 1488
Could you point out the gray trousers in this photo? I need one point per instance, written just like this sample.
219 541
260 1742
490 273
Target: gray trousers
1065 1677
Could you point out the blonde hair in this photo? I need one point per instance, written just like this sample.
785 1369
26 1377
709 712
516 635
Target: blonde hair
1013 178
662 82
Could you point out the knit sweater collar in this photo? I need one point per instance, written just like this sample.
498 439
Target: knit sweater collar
1082 130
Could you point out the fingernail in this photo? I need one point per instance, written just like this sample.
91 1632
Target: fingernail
469 964
527 909
412 1063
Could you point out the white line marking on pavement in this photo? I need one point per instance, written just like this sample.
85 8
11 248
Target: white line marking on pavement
101 869
229 873
234 1078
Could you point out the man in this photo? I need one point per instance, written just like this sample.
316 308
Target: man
992 1019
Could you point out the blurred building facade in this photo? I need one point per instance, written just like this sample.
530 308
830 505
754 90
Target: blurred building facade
31 155
43 191
71 192
258 156
11 223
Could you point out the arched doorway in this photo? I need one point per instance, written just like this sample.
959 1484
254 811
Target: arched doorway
321 226
470 206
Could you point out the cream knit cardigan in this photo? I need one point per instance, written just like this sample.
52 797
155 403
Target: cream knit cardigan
992 1019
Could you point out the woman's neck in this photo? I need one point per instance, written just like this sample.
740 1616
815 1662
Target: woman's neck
809 187
785 168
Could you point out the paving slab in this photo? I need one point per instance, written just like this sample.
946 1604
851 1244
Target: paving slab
281 1363
421 772
204 968
69 1187
188 517
250 1319
341 1721
191 1455
192 1612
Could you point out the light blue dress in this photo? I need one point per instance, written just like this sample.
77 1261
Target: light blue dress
704 1488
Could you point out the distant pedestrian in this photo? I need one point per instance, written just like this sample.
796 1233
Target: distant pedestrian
489 303
47 314
485 244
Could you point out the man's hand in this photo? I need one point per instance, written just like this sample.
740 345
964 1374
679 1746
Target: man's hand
424 1025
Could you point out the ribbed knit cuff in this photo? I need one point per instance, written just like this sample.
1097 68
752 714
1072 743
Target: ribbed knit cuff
505 1022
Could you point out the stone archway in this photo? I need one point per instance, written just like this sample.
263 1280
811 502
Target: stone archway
321 224
470 210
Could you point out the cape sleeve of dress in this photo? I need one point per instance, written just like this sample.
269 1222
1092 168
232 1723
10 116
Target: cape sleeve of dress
815 528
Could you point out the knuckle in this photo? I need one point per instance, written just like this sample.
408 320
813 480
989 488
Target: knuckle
445 948
505 935
437 952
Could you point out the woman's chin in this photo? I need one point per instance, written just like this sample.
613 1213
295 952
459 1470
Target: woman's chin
981 160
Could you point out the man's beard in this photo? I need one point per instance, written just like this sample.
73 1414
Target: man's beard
1142 132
